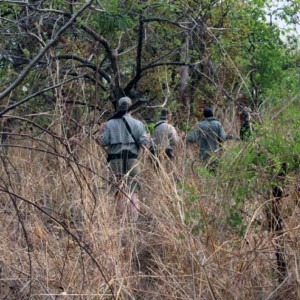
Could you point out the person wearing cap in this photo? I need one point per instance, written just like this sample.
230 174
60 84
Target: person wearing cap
209 133
123 137
246 124
165 136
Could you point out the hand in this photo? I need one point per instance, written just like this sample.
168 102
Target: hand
101 128
182 135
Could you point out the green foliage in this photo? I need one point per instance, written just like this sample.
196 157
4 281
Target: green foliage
290 83
195 220
226 42
186 126
193 214
235 219
26 52
254 46
252 168
57 4
268 56
110 24
150 127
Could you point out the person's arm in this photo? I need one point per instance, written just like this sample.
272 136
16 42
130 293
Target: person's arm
173 137
101 128
222 134
144 137
104 139
193 136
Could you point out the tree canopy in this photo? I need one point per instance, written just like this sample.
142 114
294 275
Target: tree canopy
183 51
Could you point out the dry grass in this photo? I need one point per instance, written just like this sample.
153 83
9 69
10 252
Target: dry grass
61 238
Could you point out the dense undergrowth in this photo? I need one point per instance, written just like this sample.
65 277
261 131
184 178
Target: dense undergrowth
199 236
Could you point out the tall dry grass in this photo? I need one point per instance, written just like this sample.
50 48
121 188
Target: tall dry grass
60 237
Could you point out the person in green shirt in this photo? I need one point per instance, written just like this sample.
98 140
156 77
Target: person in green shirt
209 134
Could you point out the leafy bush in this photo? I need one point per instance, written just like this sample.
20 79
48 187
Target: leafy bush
252 168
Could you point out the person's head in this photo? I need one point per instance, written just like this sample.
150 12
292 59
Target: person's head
124 103
165 115
208 112
245 116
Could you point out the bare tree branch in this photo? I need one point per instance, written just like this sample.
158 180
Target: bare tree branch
74 237
136 79
15 2
13 106
139 47
138 72
24 73
166 63
112 54
87 64
21 220
162 20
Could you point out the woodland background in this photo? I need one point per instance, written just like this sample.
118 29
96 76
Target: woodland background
63 65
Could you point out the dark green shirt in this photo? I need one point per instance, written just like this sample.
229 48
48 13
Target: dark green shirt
209 134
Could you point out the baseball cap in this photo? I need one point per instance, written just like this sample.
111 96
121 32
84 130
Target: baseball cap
124 102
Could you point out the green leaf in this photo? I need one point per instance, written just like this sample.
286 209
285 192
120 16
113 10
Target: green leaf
26 52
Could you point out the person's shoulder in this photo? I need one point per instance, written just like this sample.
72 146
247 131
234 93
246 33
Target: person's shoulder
134 120
129 117
112 122
215 121
161 123
171 126
219 122
109 122
201 123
